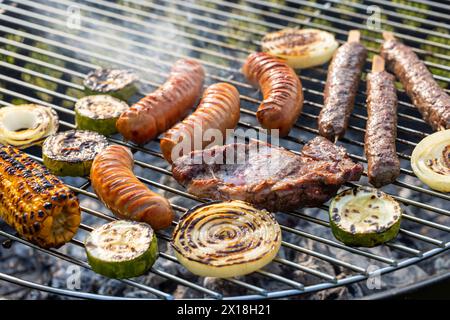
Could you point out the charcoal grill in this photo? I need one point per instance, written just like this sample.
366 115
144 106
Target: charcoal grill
46 53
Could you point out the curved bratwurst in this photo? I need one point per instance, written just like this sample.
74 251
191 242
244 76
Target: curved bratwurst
119 189
164 107
281 89
218 109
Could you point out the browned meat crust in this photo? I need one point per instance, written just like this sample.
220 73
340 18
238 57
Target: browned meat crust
281 89
381 129
431 100
270 177
343 78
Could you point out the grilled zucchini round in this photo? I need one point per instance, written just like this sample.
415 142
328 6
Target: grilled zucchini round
72 152
25 125
364 217
226 239
120 84
301 48
430 160
122 249
99 113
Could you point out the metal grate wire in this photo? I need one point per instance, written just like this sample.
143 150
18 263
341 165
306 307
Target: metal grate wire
220 34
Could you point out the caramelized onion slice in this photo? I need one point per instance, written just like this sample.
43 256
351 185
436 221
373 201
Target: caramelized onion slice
301 48
430 160
226 239
24 125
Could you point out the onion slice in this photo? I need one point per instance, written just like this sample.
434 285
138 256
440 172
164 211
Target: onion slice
226 239
430 160
25 125
301 48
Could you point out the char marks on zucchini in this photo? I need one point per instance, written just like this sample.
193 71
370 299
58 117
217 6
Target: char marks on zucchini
99 113
70 153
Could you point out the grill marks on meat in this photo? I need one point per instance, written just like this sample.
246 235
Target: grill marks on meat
343 78
270 177
381 129
281 88
161 109
431 100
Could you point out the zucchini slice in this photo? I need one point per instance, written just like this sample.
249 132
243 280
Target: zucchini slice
430 160
72 152
364 217
25 125
226 239
301 48
99 113
118 83
122 249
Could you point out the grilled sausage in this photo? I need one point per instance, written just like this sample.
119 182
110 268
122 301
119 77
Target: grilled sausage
431 100
119 189
281 89
218 109
381 128
343 78
164 107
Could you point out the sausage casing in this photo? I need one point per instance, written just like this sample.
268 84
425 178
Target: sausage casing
343 78
161 109
281 89
118 188
426 94
381 129
218 109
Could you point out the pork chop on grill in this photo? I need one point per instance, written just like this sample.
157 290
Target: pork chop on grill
267 176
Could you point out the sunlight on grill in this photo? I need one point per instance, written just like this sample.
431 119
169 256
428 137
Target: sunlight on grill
47 47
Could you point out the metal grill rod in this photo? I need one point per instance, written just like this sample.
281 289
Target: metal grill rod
314 15
415 9
237 60
213 21
394 14
166 63
285 18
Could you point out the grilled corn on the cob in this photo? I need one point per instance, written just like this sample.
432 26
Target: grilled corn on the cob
36 203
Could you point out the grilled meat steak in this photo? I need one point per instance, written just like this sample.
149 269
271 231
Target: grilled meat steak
267 176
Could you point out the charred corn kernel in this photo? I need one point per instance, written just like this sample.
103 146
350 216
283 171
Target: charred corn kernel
34 202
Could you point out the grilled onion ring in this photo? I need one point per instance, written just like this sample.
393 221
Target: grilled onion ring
301 48
226 239
24 125
430 160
